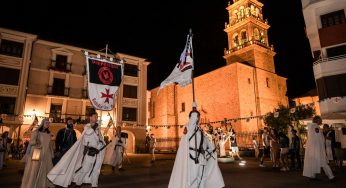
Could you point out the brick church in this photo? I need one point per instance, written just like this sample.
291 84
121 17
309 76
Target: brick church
246 87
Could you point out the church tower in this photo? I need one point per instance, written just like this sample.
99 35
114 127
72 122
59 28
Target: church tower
247 34
248 45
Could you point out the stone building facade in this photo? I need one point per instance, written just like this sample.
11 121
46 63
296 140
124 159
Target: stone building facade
53 84
246 87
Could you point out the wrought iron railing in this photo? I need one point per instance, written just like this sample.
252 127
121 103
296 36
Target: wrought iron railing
58 91
64 67
326 59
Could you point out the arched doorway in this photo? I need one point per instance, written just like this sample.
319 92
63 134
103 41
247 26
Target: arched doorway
131 141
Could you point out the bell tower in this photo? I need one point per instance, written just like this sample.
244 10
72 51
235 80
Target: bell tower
247 34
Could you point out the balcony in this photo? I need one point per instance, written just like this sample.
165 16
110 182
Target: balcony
329 66
332 35
58 91
248 43
61 118
11 119
60 66
333 108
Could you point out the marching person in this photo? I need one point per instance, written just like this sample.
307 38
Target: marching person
315 153
115 150
65 139
82 162
152 144
196 160
37 167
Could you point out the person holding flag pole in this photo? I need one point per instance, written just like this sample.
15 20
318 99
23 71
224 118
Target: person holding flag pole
116 149
195 164
83 161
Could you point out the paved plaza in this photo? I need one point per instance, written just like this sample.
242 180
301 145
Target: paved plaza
141 173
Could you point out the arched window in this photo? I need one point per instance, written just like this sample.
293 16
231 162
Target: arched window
256 34
252 10
235 40
243 37
235 16
257 12
262 37
241 10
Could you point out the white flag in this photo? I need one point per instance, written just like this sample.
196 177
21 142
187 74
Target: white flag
182 72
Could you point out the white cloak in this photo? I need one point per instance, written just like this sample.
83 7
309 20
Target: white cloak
222 143
182 173
315 153
64 172
114 155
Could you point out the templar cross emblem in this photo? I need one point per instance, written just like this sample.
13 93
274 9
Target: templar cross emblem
107 95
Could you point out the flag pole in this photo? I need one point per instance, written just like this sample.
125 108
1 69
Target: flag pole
193 87
193 83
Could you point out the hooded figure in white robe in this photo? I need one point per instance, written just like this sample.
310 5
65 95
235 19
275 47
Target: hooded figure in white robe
115 150
35 171
82 162
315 153
222 141
196 164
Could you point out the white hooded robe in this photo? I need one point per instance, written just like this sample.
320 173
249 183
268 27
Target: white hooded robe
187 174
315 154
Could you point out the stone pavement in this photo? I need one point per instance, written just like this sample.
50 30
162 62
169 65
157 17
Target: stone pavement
140 173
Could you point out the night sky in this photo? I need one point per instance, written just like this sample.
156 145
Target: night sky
156 31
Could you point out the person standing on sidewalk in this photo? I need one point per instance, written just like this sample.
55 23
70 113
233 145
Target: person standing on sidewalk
266 145
152 144
295 151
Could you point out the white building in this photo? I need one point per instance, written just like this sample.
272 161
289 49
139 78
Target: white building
326 29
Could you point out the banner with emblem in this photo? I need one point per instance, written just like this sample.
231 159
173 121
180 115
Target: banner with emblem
182 72
104 79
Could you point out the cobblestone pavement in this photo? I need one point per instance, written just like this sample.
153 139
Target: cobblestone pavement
141 173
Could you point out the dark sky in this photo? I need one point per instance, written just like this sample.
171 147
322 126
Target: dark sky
156 30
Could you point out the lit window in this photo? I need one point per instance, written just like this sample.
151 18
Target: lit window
129 114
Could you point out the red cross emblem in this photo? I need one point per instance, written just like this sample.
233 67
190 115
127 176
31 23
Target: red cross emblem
107 95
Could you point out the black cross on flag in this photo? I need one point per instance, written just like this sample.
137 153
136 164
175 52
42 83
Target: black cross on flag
104 79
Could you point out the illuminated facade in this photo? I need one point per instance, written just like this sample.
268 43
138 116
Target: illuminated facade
246 87
57 88
326 27
15 57
53 83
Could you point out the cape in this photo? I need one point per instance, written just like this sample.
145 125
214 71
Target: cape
63 172
180 173
110 153
315 153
